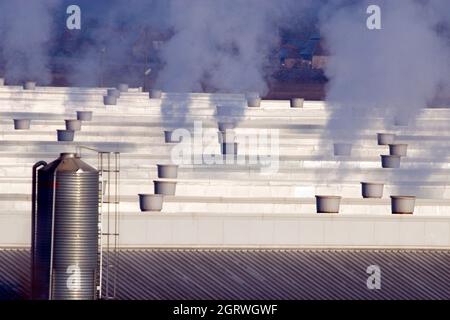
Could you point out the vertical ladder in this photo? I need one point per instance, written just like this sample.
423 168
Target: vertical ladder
108 166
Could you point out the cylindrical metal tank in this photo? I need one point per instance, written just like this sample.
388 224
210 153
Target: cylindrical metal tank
65 232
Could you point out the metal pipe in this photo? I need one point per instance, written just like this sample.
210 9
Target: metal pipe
33 217
101 200
50 289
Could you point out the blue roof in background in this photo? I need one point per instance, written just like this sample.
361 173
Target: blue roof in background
307 51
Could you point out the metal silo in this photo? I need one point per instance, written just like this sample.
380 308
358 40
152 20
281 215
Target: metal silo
65 229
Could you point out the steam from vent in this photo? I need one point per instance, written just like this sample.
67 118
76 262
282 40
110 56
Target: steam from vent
25 33
224 44
118 27
392 72
228 46
219 42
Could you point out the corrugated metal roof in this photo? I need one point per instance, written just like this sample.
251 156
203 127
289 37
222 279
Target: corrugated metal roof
260 274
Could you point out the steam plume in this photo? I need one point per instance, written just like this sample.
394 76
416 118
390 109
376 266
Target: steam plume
392 72
223 43
26 30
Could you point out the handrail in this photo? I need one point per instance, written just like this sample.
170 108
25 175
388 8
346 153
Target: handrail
79 148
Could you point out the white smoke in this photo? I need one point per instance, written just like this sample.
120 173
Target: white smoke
392 72
26 30
224 44
117 27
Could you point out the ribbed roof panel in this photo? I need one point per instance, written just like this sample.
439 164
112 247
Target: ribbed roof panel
259 274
